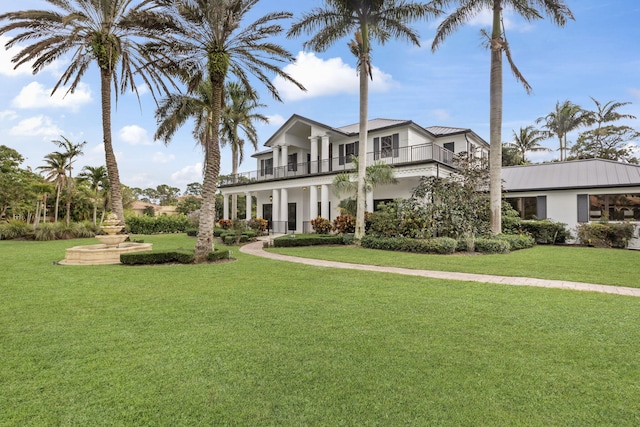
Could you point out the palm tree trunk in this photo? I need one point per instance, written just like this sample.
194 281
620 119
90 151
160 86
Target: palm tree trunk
44 207
204 242
55 215
495 121
68 213
110 158
361 198
234 174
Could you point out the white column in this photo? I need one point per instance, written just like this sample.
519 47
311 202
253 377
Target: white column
324 155
369 207
324 200
276 160
225 206
284 209
284 159
275 206
313 140
234 206
313 202
248 205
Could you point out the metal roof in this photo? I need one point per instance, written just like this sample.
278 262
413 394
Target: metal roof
444 130
586 173
372 125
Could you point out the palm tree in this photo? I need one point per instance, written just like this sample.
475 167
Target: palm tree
71 152
346 183
527 139
238 115
605 113
96 177
55 169
368 21
108 34
210 44
530 10
566 118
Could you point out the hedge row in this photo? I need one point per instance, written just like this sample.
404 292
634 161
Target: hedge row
165 257
438 245
292 240
157 224
605 234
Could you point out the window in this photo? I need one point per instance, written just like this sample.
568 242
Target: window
346 152
292 162
529 207
451 146
614 207
386 146
266 167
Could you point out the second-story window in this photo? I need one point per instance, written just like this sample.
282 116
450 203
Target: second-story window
386 146
266 167
450 146
292 162
347 152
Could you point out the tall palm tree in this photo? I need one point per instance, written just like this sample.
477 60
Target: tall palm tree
55 169
605 113
109 34
527 139
368 21
96 177
71 151
464 11
210 44
566 118
238 115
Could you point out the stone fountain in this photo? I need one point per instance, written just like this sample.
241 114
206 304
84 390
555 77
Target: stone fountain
112 244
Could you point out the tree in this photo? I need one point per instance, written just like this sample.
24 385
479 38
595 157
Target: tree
210 44
71 151
96 177
167 195
109 34
193 189
55 170
510 156
466 10
607 142
16 184
376 174
605 113
238 115
527 139
367 21
566 118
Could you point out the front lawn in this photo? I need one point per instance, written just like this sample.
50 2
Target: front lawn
616 267
261 342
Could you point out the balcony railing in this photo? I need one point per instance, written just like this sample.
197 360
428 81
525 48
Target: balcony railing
404 155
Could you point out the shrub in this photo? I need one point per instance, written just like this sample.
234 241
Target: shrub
192 232
292 240
159 257
217 231
546 231
46 231
344 224
348 239
492 246
321 225
517 241
156 225
438 245
386 221
258 225
226 224
605 235
218 254
84 229
14 229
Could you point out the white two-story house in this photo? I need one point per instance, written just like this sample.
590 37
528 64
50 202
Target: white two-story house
293 179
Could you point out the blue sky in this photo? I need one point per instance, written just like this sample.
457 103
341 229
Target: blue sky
596 55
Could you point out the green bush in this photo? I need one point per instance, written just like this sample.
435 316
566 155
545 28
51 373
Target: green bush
156 225
258 225
14 229
605 234
387 222
492 246
348 239
159 257
45 232
218 254
517 241
438 245
546 231
292 240
321 225
192 232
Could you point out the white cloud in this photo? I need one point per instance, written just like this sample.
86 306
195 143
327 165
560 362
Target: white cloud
188 174
34 95
160 157
135 135
441 114
326 77
36 126
276 120
8 115
484 18
7 67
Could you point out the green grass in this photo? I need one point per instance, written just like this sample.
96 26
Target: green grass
259 342
579 264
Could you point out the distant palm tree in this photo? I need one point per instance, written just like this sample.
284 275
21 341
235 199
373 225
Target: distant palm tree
210 44
55 169
465 10
96 177
71 151
566 118
527 139
238 115
368 21
108 34
605 113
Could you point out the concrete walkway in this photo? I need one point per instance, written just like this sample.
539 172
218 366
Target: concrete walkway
256 248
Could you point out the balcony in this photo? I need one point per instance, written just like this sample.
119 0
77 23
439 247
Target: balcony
406 155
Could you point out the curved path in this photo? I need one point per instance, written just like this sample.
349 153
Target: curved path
256 248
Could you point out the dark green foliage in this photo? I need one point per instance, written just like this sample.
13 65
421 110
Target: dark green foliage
14 229
546 231
218 254
156 225
492 246
438 245
192 232
605 234
386 221
517 241
511 220
307 240
217 231
159 257
231 239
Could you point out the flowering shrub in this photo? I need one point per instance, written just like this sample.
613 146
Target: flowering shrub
321 225
344 224
258 225
225 223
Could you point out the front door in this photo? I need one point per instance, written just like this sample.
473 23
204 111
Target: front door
291 223
267 213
